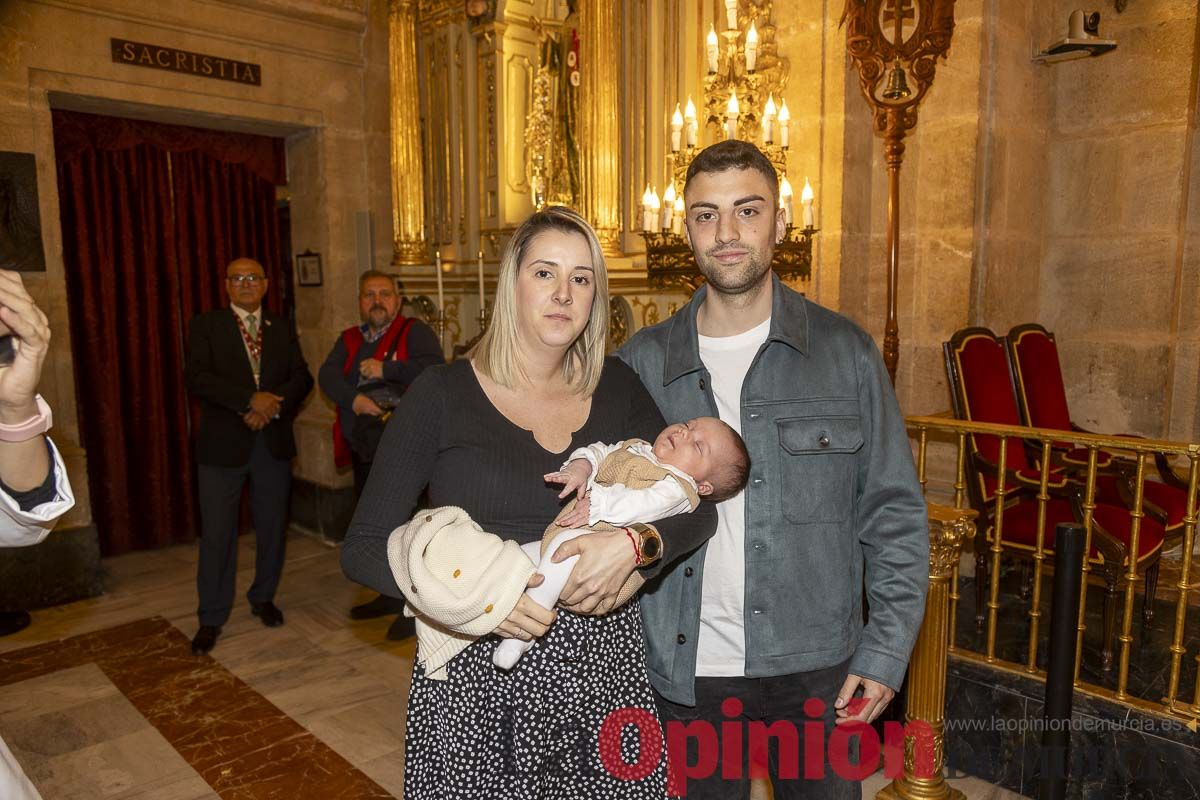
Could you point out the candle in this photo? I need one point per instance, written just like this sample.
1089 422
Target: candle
482 307
714 50
438 269
768 119
677 220
668 207
785 199
676 129
731 116
731 14
751 48
785 118
689 115
806 200
649 208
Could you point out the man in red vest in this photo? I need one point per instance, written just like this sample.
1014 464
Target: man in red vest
366 372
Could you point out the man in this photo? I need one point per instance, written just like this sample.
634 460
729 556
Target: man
367 370
34 490
769 612
246 367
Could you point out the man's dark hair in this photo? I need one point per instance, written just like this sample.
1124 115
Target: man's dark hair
733 478
374 273
733 154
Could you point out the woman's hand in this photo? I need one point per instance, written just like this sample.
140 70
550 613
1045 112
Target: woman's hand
528 620
606 560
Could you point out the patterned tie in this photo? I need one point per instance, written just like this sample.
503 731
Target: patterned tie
252 333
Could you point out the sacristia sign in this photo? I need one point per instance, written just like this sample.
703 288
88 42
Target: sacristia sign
140 54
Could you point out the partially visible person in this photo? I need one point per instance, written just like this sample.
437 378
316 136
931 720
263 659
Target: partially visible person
369 368
34 489
481 433
246 367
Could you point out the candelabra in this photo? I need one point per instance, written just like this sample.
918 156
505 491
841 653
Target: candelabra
742 83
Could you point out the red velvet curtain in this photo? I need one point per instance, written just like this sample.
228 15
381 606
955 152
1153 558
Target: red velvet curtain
223 211
151 214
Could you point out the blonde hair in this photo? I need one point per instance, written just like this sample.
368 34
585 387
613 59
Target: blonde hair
497 354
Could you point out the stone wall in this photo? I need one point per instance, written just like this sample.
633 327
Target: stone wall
1115 286
938 187
1061 194
324 88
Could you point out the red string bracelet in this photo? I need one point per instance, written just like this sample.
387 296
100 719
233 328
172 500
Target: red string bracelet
637 551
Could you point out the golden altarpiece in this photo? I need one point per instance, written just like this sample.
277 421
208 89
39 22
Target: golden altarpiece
503 106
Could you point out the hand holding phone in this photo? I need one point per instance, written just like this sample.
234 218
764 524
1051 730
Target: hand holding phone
24 342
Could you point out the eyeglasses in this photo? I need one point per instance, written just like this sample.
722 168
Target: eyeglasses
241 279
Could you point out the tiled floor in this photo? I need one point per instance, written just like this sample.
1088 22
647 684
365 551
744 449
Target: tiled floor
102 699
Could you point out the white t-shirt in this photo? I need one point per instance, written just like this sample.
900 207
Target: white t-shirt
721 649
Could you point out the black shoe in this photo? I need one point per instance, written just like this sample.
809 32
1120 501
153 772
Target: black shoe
271 616
402 628
381 606
205 639
13 621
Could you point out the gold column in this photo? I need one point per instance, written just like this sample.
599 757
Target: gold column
599 113
408 180
948 529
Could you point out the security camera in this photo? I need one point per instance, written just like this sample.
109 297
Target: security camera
1083 39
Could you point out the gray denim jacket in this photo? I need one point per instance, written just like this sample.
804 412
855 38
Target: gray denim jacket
833 493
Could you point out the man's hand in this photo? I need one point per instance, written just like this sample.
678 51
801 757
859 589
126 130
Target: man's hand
371 368
528 620
606 560
365 405
31 340
254 420
578 516
574 477
874 700
266 404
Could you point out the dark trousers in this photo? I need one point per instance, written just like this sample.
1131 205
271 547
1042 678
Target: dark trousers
362 469
727 744
220 495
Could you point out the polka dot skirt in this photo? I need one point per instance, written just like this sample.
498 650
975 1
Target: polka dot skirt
539 732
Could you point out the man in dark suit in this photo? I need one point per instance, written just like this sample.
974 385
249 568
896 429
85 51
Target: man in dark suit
246 367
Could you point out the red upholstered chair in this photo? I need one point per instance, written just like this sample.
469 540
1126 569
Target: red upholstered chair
981 390
1042 398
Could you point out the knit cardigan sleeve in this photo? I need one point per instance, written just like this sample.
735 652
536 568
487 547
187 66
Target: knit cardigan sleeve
402 467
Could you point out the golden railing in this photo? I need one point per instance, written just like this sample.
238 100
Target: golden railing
1130 455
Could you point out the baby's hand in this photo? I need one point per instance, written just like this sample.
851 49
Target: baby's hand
574 477
578 516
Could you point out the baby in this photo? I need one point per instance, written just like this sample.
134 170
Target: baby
633 481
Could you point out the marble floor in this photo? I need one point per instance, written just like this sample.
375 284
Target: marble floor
102 698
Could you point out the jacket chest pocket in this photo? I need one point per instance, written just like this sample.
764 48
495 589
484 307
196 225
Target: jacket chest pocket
818 467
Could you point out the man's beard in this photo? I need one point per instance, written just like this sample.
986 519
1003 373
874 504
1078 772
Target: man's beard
734 280
378 318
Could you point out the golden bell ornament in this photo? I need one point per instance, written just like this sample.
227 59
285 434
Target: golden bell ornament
897 84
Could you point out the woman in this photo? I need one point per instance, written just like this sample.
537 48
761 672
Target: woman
481 433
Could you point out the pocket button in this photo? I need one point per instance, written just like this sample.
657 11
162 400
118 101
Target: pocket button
824 440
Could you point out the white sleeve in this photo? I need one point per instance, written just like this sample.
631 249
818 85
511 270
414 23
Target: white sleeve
593 454
618 505
20 528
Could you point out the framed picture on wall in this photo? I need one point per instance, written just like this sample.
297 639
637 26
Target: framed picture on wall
20 223
308 268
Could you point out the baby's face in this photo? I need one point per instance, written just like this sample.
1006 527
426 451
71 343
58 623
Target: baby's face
696 447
